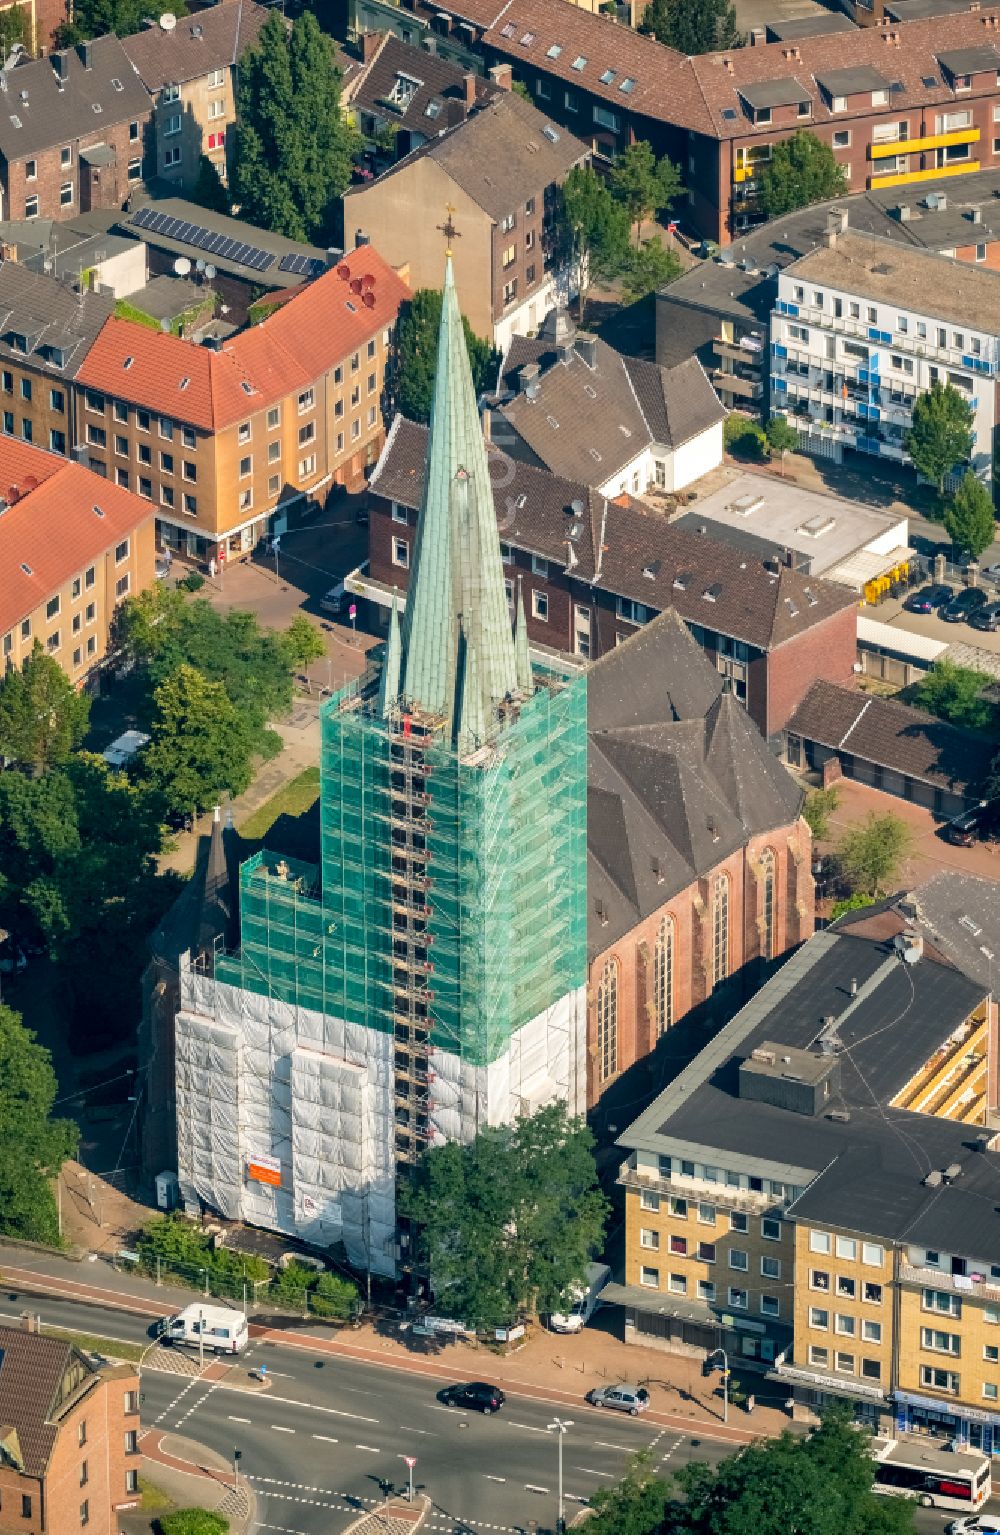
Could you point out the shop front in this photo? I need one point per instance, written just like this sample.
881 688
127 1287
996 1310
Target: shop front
970 1427
686 1327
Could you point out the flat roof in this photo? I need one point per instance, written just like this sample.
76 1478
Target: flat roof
242 250
970 61
851 82
906 278
813 26
920 10
827 529
786 92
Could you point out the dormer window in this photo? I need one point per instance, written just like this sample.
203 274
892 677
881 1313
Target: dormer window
880 98
804 109
762 115
838 104
404 88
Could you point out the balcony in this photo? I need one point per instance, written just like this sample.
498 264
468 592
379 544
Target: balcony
971 1286
917 146
643 1179
732 383
735 351
905 178
846 326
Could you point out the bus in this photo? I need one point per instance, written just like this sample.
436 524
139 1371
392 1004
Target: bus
935 1477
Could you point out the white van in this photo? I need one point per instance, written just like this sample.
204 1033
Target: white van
219 1328
584 1302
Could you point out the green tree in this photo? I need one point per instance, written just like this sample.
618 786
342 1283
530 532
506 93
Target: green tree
743 437
871 855
801 170
592 230
649 267
302 642
782 438
33 1145
814 1485
294 148
954 693
940 438
692 26
643 184
96 18
636 1505
208 191
193 1521
334 1297
200 748
819 806
416 355
42 716
510 1221
14 28
970 521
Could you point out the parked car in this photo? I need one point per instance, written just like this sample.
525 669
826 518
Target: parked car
993 571
964 605
583 1300
981 824
975 1524
630 1399
476 1394
333 600
928 598
987 618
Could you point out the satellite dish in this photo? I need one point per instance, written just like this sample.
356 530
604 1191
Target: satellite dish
182 266
200 264
209 272
168 21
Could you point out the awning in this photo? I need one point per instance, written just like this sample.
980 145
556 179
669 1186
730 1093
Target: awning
864 566
792 1375
98 154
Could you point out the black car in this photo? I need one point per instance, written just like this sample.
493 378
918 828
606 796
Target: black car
964 605
979 825
987 618
928 598
476 1394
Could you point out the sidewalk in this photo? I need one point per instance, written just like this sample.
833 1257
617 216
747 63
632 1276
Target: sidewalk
560 1370
192 1477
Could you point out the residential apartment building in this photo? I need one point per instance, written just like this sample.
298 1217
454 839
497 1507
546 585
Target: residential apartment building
899 104
46 331
223 440
189 66
498 171
73 132
409 93
595 570
570 403
810 1189
69 1437
693 894
862 327
720 311
72 547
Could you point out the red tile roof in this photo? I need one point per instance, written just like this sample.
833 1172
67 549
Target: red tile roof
58 518
693 93
320 324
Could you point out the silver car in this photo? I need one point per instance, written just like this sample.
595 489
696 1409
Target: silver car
630 1399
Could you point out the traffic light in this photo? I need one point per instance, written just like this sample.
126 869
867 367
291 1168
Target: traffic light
706 1367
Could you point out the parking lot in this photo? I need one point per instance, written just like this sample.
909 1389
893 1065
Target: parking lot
892 612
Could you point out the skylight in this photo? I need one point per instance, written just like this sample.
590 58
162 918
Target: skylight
527 39
509 30
608 76
579 62
554 51
627 85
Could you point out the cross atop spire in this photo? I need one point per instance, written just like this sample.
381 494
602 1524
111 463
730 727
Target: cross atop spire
448 228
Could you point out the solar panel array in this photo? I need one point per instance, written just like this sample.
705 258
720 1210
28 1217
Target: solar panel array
221 246
303 266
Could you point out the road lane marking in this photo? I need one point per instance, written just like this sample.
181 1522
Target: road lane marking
277 1428
591 1472
371 1448
287 1401
232 1419
438 1408
531 1487
326 1439
602 1444
491 1478
406 1429
531 1427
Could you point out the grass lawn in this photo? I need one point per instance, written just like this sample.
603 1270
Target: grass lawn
294 799
154 1499
90 1343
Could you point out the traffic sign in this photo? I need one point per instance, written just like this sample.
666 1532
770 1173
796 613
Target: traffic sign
411 1461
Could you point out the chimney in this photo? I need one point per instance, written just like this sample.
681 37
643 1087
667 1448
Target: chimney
333 255
830 236
586 346
729 66
87 55
976 215
29 1321
360 238
60 63
371 42
840 219
904 213
502 75
469 81
527 378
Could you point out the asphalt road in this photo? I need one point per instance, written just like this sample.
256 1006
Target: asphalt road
328 1434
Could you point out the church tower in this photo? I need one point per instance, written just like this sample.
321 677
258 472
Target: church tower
428 978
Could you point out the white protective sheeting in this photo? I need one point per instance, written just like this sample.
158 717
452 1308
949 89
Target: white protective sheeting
546 1061
264 1086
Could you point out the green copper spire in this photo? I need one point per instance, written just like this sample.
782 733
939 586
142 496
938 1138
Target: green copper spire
457 587
522 659
388 687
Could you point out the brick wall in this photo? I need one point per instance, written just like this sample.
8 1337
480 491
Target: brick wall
92 187
828 650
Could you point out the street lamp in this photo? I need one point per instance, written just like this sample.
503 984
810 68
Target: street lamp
560 1425
707 1368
